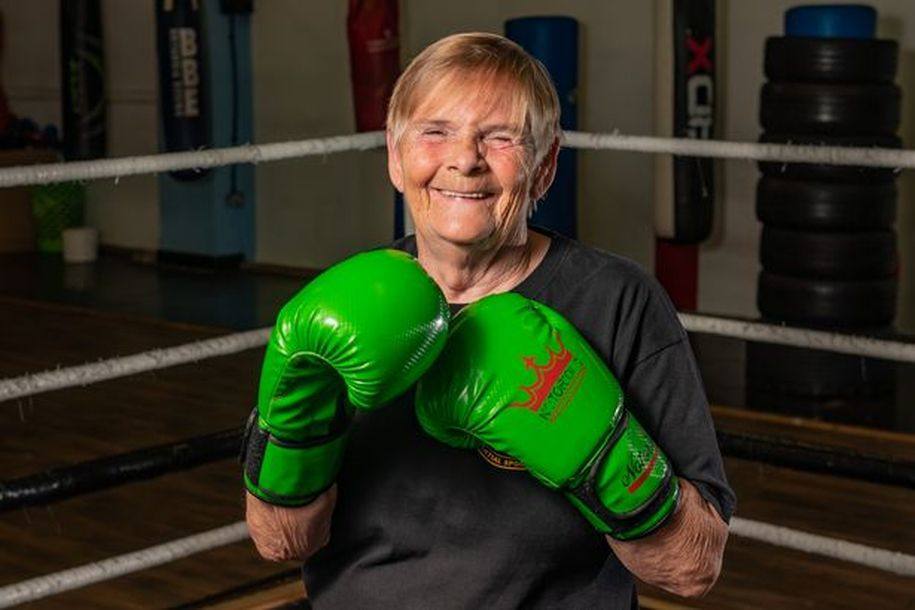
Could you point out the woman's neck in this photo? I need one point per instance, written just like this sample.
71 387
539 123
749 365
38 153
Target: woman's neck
467 274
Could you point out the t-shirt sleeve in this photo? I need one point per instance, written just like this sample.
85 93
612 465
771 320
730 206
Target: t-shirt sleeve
664 390
665 394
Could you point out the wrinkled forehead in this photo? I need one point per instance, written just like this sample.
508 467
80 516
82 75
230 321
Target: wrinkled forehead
449 95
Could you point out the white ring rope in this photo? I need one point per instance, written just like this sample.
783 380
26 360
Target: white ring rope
747 151
214 157
852 552
107 569
85 374
747 330
255 153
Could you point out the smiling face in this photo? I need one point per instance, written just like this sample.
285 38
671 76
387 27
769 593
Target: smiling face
464 162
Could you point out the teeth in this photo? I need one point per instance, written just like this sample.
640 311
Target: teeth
464 195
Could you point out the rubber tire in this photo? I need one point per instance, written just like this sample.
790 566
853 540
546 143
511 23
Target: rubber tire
827 303
796 371
801 204
823 108
855 255
830 173
876 411
831 60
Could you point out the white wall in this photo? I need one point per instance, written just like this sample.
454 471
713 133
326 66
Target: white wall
314 211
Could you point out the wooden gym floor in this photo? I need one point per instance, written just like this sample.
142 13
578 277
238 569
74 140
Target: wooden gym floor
53 316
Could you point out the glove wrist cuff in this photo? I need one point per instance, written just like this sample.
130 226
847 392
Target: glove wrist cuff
629 489
290 473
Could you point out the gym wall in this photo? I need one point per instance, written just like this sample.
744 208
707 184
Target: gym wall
313 211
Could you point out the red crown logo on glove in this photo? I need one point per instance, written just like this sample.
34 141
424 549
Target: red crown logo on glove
547 375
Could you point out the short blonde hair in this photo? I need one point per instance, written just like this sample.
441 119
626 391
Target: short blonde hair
490 55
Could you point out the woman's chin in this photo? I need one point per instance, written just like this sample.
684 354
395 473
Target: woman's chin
465 234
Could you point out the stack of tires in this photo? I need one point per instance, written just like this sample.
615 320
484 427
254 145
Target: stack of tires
828 248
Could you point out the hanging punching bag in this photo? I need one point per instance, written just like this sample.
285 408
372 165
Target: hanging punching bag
685 102
182 86
82 79
374 54
685 108
372 29
554 42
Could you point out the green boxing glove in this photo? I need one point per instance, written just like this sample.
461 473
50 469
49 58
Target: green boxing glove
366 329
518 377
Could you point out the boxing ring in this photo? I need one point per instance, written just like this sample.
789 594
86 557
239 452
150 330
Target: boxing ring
28 385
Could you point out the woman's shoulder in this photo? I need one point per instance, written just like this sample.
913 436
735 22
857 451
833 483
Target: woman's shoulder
599 266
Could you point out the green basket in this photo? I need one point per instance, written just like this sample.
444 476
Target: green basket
56 207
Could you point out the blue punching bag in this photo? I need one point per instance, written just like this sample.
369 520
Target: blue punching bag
831 21
554 41
204 52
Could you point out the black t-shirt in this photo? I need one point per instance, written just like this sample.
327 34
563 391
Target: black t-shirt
419 524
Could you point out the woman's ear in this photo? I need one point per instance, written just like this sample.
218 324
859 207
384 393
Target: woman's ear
395 170
545 172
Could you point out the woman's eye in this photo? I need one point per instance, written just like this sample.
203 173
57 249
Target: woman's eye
501 139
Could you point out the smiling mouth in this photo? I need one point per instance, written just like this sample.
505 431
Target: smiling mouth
464 194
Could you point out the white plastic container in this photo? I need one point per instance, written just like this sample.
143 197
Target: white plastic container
80 244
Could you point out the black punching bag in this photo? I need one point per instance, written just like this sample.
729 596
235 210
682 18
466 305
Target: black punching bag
82 75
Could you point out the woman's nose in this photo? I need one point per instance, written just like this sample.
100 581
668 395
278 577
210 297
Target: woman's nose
467 155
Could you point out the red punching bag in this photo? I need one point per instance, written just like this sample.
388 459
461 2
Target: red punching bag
374 52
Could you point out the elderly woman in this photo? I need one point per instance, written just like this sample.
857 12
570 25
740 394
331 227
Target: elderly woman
409 522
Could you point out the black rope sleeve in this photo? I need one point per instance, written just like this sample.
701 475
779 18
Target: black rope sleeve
94 475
